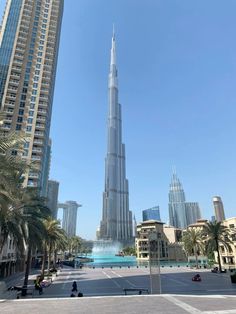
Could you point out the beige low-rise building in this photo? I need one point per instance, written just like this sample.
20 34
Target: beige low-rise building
228 255
151 241
175 246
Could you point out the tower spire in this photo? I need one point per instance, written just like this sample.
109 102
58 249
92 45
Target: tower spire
113 31
113 48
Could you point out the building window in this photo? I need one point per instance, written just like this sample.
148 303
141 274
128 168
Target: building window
20 119
18 127
21 112
30 120
29 128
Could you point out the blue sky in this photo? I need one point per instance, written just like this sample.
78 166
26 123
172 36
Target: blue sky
177 78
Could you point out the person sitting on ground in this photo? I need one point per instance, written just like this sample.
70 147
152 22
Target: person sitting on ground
197 277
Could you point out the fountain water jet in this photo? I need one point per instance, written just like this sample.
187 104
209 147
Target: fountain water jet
104 247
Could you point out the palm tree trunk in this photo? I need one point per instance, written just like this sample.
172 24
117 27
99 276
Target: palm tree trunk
49 256
218 254
44 259
196 257
27 270
55 258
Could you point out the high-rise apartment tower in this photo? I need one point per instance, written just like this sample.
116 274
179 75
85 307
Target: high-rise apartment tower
219 208
29 43
52 197
116 224
69 221
193 212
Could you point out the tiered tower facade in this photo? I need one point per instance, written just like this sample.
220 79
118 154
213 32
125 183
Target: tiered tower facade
116 224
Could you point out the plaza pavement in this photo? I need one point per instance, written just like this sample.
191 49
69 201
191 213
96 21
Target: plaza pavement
103 293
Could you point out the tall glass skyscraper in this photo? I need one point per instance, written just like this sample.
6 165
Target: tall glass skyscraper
116 224
177 213
29 43
152 214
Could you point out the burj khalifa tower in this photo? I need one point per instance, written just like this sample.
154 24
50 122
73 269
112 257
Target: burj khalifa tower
116 224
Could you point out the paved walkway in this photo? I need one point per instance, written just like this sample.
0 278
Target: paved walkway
164 304
103 293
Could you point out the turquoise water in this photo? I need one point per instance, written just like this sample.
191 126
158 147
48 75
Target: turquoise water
110 260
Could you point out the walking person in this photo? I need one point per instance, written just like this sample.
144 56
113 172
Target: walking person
74 286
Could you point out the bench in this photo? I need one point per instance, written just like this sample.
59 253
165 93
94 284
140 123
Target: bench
139 290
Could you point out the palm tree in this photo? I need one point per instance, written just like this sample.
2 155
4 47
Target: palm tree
33 228
54 235
12 169
74 244
193 244
217 234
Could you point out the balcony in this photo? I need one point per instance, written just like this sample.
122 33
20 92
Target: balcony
37 150
38 133
40 119
33 175
40 142
43 112
35 158
40 126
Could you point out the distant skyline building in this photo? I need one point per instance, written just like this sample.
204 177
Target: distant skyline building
177 212
213 218
193 212
29 44
116 223
219 208
69 221
151 214
52 197
181 213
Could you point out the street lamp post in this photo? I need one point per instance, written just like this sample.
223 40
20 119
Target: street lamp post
155 277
